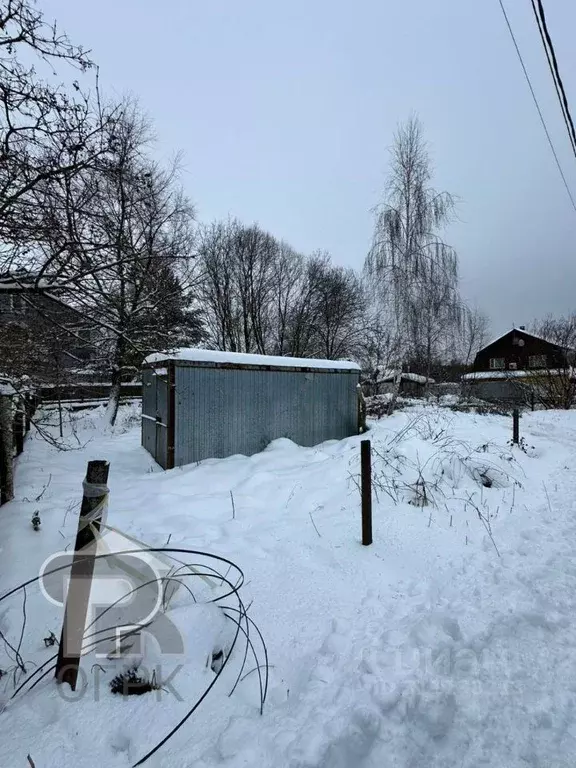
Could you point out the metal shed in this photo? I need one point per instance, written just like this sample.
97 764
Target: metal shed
199 404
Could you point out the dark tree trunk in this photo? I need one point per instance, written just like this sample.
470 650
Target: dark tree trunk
6 450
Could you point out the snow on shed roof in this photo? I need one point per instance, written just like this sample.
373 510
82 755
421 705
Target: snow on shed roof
243 358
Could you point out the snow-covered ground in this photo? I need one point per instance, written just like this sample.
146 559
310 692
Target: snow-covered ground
451 641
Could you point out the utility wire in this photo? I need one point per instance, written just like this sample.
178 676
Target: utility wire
540 17
527 76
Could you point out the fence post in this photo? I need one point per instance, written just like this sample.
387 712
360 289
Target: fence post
28 411
361 410
515 426
19 426
6 450
366 471
94 500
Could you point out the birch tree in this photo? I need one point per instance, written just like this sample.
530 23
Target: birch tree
414 272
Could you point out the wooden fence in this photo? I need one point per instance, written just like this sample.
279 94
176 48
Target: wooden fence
80 395
17 409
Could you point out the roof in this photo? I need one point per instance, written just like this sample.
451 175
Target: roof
519 330
11 386
521 374
242 359
390 374
21 280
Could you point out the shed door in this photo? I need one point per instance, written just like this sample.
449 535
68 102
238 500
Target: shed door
161 453
149 411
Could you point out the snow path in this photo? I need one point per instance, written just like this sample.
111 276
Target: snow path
424 650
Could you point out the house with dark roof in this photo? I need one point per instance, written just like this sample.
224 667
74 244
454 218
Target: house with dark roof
517 365
41 333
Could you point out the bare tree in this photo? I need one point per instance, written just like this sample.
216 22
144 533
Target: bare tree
554 386
303 314
288 281
474 335
259 295
129 236
255 253
217 289
339 311
47 131
414 271
244 280
557 330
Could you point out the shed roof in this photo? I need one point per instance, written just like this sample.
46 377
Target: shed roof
242 359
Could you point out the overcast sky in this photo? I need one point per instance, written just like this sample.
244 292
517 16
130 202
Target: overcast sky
285 112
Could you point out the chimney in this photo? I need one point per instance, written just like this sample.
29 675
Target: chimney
522 328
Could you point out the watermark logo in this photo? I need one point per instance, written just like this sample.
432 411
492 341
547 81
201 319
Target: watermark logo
116 603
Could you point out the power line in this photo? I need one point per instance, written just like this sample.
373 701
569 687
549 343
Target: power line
548 46
526 75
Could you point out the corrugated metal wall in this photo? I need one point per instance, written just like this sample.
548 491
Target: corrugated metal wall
499 390
155 415
223 411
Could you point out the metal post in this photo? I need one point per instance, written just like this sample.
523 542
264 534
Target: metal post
366 470
93 502
515 426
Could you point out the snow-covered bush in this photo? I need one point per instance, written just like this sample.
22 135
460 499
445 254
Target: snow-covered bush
425 464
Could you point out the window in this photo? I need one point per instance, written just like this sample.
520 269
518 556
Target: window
6 302
496 363
513 366
537 361
18 303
